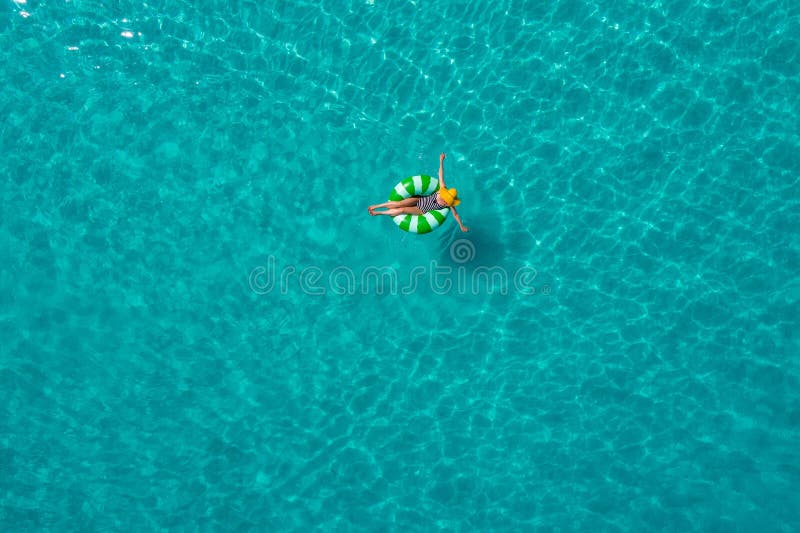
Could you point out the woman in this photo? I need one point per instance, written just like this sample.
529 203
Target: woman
418 205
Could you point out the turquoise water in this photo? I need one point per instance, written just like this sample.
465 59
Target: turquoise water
163 161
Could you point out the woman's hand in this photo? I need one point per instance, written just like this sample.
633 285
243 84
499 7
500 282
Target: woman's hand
441 157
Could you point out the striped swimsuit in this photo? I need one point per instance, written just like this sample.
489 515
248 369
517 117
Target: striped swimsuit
429 203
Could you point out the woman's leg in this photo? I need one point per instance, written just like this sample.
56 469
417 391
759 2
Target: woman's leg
407 202
399 211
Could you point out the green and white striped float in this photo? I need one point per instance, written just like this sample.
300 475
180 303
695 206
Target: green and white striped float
418 186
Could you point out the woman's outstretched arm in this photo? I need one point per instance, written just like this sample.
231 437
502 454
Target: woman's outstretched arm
441 171
458 219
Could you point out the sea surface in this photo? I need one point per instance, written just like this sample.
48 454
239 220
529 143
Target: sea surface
202 328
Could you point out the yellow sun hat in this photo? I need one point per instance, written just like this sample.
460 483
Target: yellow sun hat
450 196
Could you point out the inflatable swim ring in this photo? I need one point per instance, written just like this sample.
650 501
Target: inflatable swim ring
418 186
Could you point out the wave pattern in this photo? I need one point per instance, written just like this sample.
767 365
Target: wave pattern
639 159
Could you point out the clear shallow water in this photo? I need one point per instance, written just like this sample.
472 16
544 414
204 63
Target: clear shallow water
643 159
